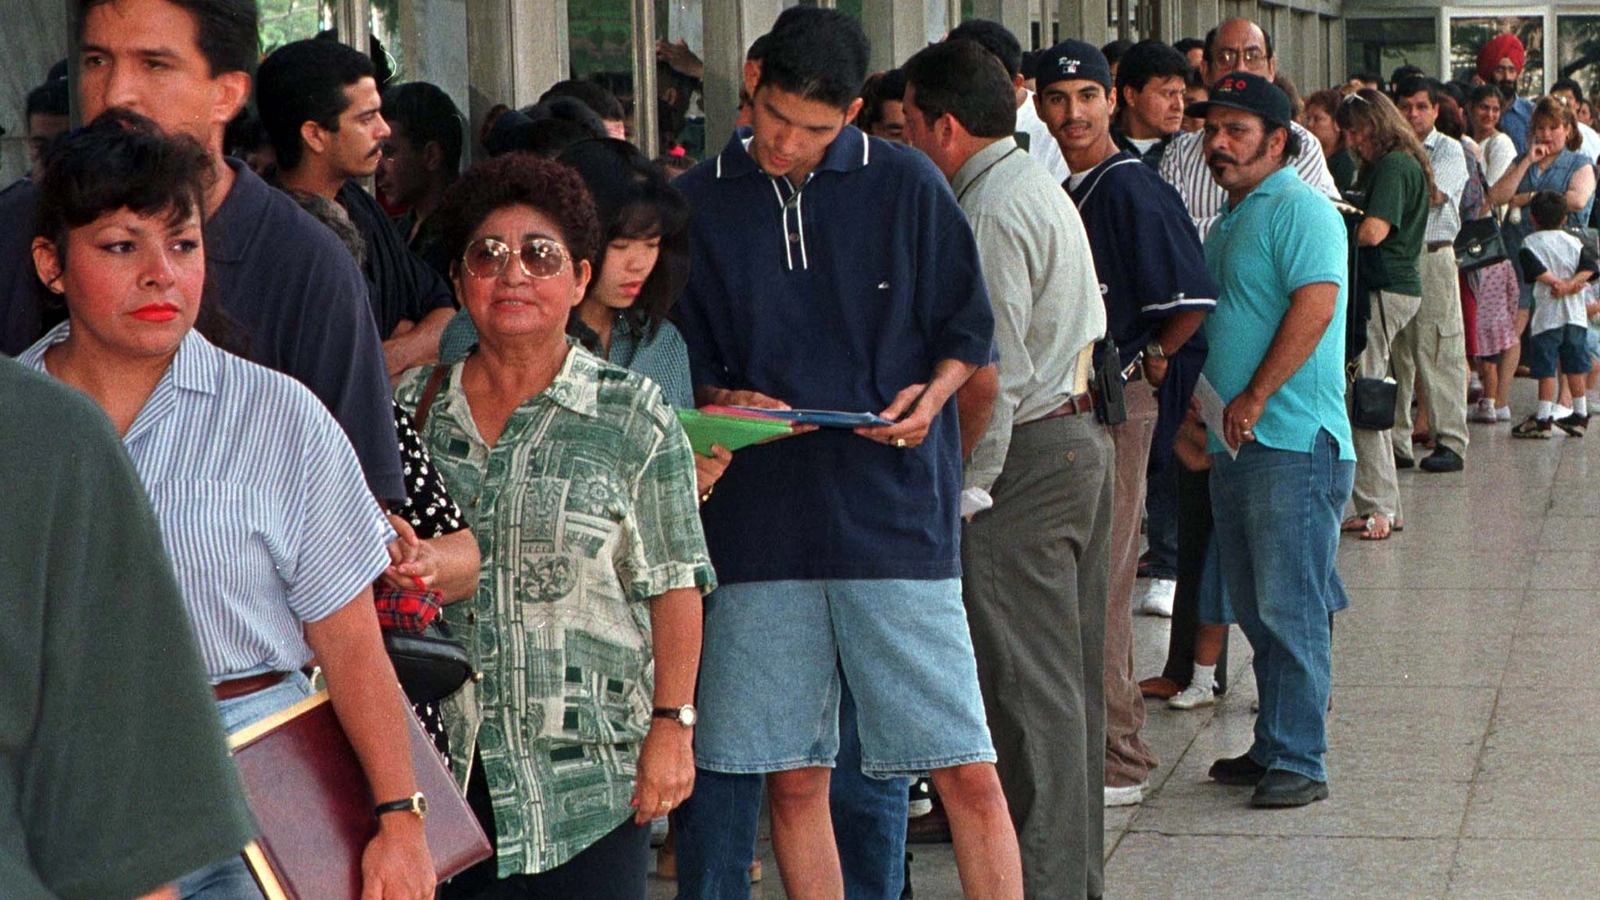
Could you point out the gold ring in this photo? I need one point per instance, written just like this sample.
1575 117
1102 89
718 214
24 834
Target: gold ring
666 804
900 442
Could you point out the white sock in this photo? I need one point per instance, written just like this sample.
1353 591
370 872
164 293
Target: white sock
1580 405
1205 675
1506 410
1547 408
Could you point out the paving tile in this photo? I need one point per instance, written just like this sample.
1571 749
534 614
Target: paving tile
1428 610
1415 732
1551 660
1535 721
1528 794
1518 870
1420 659
1558 612
1163 867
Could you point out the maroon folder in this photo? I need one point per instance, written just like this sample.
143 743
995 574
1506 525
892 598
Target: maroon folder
314 809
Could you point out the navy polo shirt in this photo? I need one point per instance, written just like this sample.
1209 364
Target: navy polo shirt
835 296
286 279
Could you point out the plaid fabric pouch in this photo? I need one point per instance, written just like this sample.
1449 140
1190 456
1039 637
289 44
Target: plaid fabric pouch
406 609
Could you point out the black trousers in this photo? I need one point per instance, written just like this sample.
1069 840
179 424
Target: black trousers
1194 535
616 867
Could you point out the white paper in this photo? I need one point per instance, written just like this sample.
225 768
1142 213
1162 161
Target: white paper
1211 407
974 501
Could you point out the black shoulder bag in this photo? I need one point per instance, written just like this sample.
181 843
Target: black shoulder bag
1372 399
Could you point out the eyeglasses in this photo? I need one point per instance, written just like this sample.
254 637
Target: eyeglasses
1356 98
1251 56
539 257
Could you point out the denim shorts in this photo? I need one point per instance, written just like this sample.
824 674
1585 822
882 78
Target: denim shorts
1567 346
769 682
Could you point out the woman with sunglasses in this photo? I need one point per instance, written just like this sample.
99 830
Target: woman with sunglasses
579 484
273 534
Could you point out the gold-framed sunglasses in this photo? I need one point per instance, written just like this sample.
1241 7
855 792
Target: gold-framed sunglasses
539 257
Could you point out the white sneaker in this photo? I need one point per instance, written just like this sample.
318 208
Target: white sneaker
1132 795
1158 597
1194 696
1483 412
1502 413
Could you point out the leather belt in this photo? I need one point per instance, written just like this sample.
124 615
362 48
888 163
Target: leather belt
240 687
1436 246
1076 405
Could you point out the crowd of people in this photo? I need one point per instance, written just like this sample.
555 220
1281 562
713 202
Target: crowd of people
1088 292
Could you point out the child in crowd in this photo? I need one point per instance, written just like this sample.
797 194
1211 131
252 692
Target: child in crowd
1559 268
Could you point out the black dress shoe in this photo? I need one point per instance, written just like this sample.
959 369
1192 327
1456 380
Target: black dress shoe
1239 771
1443 459
1282 788
1403 462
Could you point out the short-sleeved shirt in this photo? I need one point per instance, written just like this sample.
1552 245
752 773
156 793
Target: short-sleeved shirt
401 286
1396 191
584 510
1282 237
1146 251
836 294
1514 122
1184 167
1556 175
114 778
261 503
656 352
1042 286
280 274
1562 255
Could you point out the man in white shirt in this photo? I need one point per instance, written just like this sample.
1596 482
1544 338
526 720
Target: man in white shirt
1431 348
996 39
1237 44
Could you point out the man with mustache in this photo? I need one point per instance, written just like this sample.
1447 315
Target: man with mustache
1156 291
319 103
1284 462
1500 61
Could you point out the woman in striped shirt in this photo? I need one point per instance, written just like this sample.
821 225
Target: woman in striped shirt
272 532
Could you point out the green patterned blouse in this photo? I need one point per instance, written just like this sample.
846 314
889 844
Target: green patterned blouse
584 510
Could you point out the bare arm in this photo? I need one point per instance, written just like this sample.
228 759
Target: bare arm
1311 309
975 405
366 696
418 345
666 761
1372 231
1580 189
1505 188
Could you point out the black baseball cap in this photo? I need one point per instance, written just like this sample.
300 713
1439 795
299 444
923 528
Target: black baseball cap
1072 61
1248 92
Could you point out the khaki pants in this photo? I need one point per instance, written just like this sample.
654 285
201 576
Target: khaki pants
1128 760
1376 489
1432 350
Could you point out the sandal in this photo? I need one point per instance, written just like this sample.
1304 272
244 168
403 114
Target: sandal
1354 523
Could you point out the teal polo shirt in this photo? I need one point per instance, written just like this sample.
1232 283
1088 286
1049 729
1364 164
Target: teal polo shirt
1283 237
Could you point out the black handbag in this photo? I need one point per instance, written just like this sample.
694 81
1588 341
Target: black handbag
1479 244
431 664
1371 400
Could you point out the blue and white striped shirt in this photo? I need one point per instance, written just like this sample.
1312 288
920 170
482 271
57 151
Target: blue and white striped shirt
262 504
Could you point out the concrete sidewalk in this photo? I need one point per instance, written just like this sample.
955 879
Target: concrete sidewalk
1464 747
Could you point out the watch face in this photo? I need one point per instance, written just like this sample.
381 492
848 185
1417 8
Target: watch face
420 804
687 716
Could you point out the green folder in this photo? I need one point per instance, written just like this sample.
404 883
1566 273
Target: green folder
729 432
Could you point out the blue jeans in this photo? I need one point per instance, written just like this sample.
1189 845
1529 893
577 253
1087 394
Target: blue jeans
230 879
1277 535
716 826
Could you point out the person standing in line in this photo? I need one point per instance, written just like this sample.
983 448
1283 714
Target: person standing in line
319 101
1500 62
999 40
1042 552
274 269
1283 462
869 296
1430 351
1157 292
1393 193
1150 84
421 159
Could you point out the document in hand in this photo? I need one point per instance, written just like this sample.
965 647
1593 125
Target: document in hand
730 431
315 811
822 418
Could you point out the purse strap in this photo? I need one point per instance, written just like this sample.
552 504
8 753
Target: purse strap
430 390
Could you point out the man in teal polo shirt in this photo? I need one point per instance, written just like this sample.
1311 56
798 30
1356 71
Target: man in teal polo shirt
1284 460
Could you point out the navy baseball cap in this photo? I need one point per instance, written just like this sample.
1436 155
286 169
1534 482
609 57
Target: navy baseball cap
1248 92
1072 61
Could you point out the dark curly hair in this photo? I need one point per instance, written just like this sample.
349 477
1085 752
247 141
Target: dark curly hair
520 179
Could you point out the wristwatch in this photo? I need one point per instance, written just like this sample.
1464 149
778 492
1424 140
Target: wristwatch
684 715
1153 350
416 804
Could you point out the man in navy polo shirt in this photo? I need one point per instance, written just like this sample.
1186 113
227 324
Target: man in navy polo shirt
836 271
1284 464
1157 292
276 271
